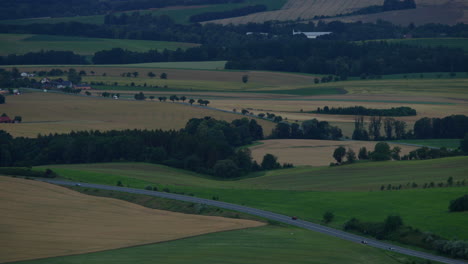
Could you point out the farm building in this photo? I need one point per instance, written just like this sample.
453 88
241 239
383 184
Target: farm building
311 35
5 119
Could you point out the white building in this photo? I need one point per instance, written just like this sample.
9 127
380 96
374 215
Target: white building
311 35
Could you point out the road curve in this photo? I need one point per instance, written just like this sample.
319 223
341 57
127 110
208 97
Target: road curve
269 215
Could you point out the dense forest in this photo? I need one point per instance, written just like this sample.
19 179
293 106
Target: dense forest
15 9
149 27
205 145
361 110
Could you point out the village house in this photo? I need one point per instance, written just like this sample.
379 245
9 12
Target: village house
26 74
5 119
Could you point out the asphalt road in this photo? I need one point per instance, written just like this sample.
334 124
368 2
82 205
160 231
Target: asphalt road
272 216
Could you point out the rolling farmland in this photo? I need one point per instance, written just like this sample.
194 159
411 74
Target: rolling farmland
55 221
45 113
447 11
350 190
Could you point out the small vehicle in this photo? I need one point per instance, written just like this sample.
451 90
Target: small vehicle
78 184
294 218
390 248
364 242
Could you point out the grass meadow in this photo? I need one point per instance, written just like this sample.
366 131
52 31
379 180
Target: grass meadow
269 244
348 191
23 43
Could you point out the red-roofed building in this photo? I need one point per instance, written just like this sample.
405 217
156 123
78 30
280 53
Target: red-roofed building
5 119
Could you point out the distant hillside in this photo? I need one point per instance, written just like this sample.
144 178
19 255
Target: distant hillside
23 43
427 11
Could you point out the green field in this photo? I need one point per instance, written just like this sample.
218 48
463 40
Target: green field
269 244
23 43
439 143
179 15
348 191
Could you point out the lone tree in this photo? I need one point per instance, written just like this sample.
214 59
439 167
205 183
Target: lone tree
183 98
73 76
140 96
191 101
245 78
328 217
2 99
339 153
163 75
381 152
269 162
459 204
135 74
151 74
350 156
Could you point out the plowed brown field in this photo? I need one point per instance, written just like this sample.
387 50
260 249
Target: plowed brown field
40 220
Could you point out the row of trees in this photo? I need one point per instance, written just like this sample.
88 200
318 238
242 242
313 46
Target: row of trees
382 152
361 110
393 228
201 146
310 129
454 126
11 9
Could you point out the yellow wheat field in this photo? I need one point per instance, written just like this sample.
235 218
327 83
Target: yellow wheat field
41 220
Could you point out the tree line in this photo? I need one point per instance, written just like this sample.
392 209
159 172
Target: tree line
310 129
361 110
454 126
393 228
12 9
205 145
163 28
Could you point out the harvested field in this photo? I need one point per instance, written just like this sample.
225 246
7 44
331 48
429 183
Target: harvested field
46 113
309 151
55 221
428 11
442 12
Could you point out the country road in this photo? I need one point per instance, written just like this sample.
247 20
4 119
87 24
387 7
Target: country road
269 215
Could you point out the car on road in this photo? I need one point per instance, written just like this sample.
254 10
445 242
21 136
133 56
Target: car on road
294 217
363 242
78 184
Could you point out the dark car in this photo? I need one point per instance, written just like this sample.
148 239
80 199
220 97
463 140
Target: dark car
294 218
